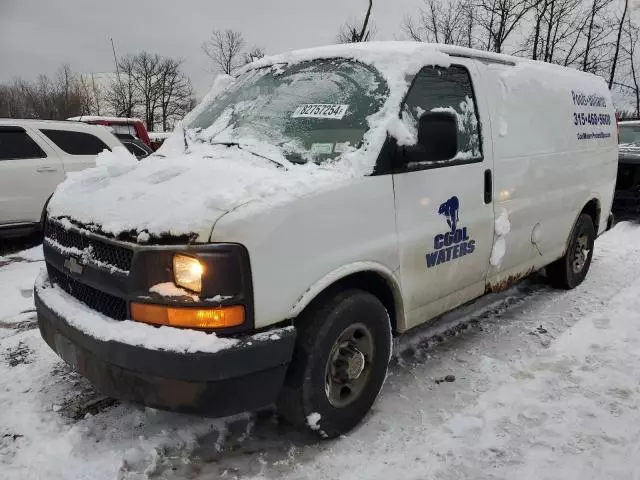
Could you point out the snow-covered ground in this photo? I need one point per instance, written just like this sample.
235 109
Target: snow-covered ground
547 386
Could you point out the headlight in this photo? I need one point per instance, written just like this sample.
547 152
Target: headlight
187 272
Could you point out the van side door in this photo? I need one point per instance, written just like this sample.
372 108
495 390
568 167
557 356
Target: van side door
444 211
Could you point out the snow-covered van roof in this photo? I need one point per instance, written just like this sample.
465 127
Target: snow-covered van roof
195 177
377 53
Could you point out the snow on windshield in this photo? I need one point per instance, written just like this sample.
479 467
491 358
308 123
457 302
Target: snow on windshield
314 110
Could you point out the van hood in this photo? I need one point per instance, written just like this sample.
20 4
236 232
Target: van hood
182 191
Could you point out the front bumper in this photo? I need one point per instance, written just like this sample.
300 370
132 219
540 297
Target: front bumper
244 377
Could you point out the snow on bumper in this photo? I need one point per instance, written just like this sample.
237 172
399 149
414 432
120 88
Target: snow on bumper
167 368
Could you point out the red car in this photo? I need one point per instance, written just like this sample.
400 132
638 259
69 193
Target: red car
120 125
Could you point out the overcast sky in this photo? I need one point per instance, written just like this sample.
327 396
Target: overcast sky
37 36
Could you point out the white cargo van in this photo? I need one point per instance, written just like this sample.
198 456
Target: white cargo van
314 206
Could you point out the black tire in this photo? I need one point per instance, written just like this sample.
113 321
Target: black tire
565 272
304 400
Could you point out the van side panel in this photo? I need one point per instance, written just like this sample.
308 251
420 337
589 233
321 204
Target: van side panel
312 240
554 139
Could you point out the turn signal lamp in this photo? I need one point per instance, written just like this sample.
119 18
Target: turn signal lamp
189 317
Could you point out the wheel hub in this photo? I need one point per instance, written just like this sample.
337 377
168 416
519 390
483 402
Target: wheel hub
581 253
348 365
355 362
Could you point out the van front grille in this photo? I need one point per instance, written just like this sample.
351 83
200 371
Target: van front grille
99 251
104 303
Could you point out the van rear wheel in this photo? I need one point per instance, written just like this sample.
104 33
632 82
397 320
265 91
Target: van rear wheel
339 364
569 271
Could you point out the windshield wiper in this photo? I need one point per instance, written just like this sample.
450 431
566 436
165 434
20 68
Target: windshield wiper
242 147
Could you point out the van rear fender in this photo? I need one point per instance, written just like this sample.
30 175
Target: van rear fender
591 208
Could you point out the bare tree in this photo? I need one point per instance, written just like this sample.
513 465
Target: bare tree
13 103
224 48
616 53
557 29
500 18
152 87
176 93
121 95
629 48
353 33
446 21
597 31
146 78
96 93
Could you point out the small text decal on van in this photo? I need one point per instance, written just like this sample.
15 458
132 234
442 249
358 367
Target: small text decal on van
453 244
320 110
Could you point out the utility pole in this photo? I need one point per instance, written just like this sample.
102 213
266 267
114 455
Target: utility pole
115 60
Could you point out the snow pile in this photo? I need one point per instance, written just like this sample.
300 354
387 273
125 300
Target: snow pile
568 416
16 292
182 190
169 289
313 419
33 254
183 194
502 229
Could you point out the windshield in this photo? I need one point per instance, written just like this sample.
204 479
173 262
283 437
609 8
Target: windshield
313 111
630 134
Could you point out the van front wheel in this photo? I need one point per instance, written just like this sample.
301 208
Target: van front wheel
339 364
569 271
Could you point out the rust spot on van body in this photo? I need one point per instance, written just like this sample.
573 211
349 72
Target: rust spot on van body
506 283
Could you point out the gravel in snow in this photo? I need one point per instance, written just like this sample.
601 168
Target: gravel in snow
546 386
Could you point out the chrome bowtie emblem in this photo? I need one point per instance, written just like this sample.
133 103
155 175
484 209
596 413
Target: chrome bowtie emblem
73 266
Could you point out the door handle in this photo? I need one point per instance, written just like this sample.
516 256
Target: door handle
488 187
46 169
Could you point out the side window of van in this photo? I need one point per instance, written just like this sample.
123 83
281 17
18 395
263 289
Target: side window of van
438 89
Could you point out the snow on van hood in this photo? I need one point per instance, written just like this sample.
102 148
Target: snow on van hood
182 191
179 194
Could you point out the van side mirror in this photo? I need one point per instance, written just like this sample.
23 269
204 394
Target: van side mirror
437 138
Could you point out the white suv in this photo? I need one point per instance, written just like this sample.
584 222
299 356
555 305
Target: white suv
35 155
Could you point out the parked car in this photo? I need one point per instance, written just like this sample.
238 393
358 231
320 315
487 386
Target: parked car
316 206
158 138
35 155
127 126
626 202
135 146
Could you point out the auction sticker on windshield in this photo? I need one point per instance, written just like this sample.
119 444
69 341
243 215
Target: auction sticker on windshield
320 110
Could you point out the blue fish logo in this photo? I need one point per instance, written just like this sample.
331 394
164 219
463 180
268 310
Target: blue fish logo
450 210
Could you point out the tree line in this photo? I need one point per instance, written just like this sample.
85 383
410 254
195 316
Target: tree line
596 36
145 85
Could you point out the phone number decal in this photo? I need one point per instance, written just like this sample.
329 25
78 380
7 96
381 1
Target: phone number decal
583 118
